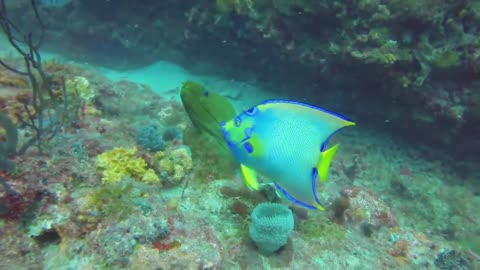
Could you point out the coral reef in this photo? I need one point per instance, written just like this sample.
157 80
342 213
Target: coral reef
174 165
172 133
451 259
364 206
150 139
120 240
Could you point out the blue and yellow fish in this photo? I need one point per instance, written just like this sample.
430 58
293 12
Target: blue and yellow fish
287 142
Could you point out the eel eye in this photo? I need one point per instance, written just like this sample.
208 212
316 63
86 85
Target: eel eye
252 111
237 122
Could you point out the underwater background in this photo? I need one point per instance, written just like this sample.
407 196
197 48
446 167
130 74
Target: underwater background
112 155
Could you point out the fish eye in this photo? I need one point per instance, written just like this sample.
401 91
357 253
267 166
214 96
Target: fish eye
251 111
237 122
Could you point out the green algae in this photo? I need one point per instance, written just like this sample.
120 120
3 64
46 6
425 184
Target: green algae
117 199
444 59
321 227
472 243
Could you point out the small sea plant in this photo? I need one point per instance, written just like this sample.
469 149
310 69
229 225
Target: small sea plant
150 138
172 133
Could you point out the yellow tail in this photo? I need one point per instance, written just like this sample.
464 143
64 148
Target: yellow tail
324 163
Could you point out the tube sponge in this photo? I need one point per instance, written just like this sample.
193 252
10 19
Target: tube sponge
271 226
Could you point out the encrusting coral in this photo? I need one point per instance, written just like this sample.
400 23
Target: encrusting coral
123 162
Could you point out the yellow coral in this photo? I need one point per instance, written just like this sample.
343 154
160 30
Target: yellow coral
80 86
175 164
150 177
166 165
122 162
179 174
389 58
159 155
182 157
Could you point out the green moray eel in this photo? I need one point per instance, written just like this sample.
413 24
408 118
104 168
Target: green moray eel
206 109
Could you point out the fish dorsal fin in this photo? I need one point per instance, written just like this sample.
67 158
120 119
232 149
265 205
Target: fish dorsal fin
250 177
330 120
325 161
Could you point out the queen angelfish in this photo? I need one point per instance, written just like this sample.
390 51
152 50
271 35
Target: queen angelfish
287 142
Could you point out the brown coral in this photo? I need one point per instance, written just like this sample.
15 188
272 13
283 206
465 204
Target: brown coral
366 206
12 80
400 251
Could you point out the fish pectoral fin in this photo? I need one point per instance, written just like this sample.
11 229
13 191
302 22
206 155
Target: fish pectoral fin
250 177
324 163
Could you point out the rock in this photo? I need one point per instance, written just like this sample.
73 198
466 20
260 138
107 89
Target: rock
366 207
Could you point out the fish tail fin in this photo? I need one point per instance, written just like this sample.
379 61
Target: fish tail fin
250 177
325 160
348 123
